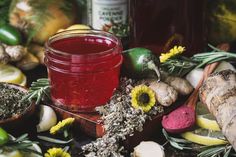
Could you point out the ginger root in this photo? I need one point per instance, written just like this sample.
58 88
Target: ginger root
16 52
165 94
28 62
182 86
11 53
219 94
4 57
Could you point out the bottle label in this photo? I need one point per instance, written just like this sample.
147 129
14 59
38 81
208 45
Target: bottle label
110 15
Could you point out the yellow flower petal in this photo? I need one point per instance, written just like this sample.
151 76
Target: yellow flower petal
139 91
61 126
176 50
56 152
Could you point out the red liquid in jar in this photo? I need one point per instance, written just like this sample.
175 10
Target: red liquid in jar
87 77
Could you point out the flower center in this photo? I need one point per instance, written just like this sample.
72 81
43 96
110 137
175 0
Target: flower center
144 98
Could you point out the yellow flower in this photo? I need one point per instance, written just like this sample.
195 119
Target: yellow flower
143 97
61 126
176 50
56 152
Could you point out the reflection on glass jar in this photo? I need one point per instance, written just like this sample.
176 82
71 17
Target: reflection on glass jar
160 24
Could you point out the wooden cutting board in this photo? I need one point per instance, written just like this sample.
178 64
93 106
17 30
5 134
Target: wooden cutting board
91 124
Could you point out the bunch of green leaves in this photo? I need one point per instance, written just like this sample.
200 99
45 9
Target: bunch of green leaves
54 140
210 57
4 11
21 143
39 91
203 151
178 66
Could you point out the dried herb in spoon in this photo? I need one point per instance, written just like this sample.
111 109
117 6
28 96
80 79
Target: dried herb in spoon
10 101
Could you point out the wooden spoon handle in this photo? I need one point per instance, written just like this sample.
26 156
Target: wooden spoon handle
193 98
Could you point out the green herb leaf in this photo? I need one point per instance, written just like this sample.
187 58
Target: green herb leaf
39 91
21 143
178 66
53 140
227 152
205 151
210 57
22 138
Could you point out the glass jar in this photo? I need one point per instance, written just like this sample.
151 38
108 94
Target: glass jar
83 68
161 24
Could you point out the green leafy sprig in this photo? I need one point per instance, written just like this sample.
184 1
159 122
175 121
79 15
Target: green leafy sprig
39 91
203 151
180 66
21 143
210 57
54 140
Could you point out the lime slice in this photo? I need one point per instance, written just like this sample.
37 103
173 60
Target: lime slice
24 81
78 26
204 119
15 153
205 137
207 121
10 74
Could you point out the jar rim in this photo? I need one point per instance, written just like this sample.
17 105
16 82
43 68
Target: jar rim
83 71
82 32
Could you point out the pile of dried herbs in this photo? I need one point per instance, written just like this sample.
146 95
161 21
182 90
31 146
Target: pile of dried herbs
10 103
120 120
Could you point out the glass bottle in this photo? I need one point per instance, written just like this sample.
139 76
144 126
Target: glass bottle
161 24
110 16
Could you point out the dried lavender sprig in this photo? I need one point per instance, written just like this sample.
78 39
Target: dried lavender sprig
120 120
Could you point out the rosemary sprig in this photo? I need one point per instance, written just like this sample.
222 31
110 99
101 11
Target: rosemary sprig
210 57
39 91
178 143
178 66
216 151
21 143
53 140
204 151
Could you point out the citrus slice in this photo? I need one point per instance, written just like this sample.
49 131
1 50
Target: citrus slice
205 137
15 153
24 80
75 26
204 119
10 74
78 26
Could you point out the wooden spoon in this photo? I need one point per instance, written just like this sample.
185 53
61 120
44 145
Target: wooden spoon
184 117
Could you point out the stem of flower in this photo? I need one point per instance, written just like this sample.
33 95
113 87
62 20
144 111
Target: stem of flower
152 66
66 134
